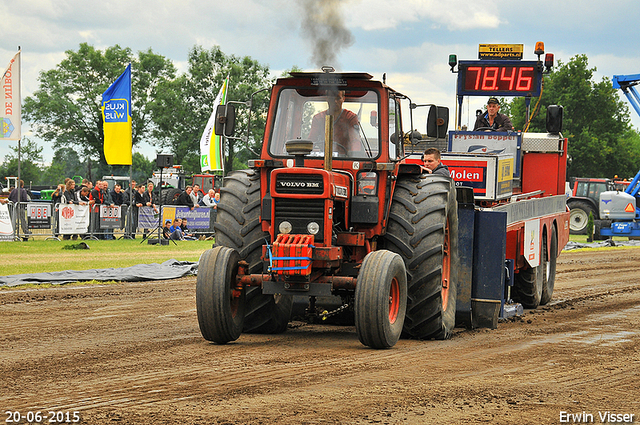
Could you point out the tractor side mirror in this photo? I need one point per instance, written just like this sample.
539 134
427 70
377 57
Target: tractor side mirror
554 119
225 120
437 122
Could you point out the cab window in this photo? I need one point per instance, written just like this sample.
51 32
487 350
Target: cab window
301 114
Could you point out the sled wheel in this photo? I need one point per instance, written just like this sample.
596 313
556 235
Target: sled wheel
550 255
219 303
527 288
380 299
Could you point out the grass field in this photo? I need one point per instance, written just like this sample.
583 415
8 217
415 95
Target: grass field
36 256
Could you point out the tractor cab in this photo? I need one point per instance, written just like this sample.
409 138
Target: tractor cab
300 114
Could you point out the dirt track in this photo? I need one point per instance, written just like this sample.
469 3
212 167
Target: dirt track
132 353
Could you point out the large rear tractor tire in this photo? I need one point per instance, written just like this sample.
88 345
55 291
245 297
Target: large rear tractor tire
579 216
219 304
423 229
169 195
238 226
549 266
380 299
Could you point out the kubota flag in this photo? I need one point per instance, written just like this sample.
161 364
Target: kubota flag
116 115
10 101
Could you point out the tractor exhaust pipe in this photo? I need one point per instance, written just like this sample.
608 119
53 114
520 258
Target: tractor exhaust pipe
328 142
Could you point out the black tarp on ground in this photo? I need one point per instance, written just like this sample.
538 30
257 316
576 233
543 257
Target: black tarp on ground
173 269
170 269
601 244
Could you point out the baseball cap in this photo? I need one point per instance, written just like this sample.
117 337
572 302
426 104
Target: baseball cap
493 100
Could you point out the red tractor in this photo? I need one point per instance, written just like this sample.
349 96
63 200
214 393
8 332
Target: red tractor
322 217
206 182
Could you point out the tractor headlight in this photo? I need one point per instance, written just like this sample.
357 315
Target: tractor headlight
313 228
285 227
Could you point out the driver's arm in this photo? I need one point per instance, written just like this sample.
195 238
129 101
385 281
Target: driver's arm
353 133
479 122
506 124
316 133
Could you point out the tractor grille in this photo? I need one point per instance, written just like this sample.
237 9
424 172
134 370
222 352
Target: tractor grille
310 184
300 212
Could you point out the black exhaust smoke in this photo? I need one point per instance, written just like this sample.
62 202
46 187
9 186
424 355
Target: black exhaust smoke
323 27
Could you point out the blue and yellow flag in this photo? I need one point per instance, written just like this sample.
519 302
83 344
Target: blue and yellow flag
116 115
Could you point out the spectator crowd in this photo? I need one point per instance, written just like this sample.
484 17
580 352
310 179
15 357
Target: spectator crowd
134 197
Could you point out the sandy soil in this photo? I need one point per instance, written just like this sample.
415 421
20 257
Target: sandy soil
132 353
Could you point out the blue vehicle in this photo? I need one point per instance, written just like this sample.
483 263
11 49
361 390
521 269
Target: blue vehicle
621 206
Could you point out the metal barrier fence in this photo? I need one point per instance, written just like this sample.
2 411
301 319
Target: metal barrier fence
72 221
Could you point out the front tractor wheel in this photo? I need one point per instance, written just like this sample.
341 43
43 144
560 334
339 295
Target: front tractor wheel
380 299
238 226
219 303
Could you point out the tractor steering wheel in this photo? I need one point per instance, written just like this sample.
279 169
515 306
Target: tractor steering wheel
485 129
337 145
339 148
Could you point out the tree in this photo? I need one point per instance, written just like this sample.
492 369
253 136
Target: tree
66 163
30 158
596 122
142 167
66 111
183 106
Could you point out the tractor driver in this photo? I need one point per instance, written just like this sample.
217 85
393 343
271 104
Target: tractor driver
492 118
346 137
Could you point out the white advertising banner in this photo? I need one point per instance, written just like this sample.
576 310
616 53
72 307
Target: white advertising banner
73 219
39 215
532 242
6 230
110 217
10 101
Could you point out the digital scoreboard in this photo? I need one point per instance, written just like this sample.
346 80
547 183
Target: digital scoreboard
499 78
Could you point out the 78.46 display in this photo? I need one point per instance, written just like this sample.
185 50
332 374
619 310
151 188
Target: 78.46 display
499 78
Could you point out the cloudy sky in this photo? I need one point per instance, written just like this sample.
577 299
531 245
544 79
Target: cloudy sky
409 40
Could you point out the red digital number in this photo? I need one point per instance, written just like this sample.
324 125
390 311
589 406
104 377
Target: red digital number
478 70
524 81
490 78
511 78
